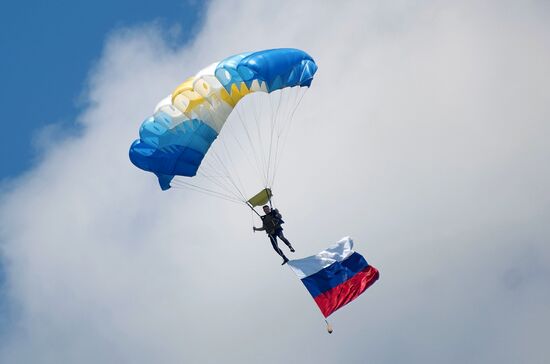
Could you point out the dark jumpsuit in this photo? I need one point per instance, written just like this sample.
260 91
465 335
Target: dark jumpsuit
272 226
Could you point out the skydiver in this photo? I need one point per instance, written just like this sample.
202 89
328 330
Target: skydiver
271 224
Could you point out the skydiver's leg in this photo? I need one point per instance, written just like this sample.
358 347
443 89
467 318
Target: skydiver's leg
285 240
273 240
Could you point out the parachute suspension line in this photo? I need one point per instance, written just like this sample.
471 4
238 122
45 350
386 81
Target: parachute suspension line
258 118
209 169
221 152
281 126
259 103
285 131
256 164
259 166
274 117
228 173
253 165
216 181
239 184
207 165
243 119
270 140
179 184
275 132
297 100
213 180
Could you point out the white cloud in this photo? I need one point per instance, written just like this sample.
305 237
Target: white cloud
424 136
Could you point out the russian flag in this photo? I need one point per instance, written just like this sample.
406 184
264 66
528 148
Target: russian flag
335 276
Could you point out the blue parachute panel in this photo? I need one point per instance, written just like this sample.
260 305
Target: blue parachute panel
226 71
168 152
278 68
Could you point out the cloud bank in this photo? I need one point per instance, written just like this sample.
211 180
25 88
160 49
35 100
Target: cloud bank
423 136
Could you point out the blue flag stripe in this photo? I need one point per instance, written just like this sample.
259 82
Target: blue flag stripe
335 274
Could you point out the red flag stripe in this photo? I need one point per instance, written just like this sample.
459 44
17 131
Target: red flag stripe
346 292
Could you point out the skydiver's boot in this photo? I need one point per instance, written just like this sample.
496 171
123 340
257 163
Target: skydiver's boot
285 260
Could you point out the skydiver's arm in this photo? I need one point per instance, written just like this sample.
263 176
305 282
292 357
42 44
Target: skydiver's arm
258 229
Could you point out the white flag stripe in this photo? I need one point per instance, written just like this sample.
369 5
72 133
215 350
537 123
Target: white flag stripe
335 253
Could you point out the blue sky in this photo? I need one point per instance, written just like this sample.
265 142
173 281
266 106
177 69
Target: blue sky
48 49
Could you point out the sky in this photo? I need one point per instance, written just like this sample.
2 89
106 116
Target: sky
423 136
51 47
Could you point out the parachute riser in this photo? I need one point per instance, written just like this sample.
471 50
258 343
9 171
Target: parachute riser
252 208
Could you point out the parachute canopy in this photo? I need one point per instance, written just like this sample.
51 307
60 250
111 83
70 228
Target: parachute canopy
176 138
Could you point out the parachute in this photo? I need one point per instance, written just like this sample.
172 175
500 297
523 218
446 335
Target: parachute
183 142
